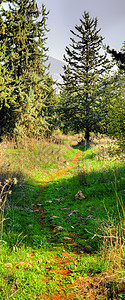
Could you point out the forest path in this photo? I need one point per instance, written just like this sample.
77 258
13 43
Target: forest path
64 170
89 287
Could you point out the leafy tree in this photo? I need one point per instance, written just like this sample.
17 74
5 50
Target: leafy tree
24 59
82 73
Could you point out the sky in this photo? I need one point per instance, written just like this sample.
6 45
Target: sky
65 14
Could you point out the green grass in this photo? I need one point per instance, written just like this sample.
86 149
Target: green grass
83 218
37 159
24 273
43 221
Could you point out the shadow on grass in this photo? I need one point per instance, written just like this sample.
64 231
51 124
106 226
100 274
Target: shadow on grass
81 146
80 220
44 216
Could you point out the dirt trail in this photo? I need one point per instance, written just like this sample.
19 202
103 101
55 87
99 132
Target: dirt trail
90 287
63 171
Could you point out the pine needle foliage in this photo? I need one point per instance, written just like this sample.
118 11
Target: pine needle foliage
84 69
116 110
119 57
24 64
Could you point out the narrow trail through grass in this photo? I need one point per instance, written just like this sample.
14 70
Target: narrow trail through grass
70 286
52 248
63 171
93 284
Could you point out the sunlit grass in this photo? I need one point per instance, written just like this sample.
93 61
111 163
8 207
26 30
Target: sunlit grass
43 218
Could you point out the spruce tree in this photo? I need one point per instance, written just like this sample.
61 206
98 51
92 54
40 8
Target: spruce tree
86 66
118 57
116 110
112 109
7 82
24 43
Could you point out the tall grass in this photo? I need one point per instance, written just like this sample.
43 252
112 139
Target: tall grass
113 253
114 240
5 190
33 157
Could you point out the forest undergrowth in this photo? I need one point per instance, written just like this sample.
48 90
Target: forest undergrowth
62 219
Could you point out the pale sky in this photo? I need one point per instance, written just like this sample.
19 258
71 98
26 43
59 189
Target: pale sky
65 14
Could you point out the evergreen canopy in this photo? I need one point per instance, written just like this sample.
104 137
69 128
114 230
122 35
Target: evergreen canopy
26 87
119 57
84 68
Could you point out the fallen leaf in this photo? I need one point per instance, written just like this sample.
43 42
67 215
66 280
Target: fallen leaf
57 228
58 200
64 208
72 212
80 195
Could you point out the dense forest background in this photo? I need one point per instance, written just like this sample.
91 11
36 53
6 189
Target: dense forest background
92 95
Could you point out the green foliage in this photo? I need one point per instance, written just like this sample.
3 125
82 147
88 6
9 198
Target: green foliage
91 265
26 88
112 110
7 82
116 110
119 57
82 73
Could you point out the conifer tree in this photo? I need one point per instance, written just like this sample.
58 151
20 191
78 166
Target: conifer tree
7 83
115 116
86 66
24 47
118 57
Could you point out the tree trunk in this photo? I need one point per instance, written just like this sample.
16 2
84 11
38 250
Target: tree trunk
87 135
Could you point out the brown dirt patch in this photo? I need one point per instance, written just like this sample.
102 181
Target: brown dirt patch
89 287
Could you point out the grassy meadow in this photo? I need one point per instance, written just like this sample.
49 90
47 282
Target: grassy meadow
53 244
